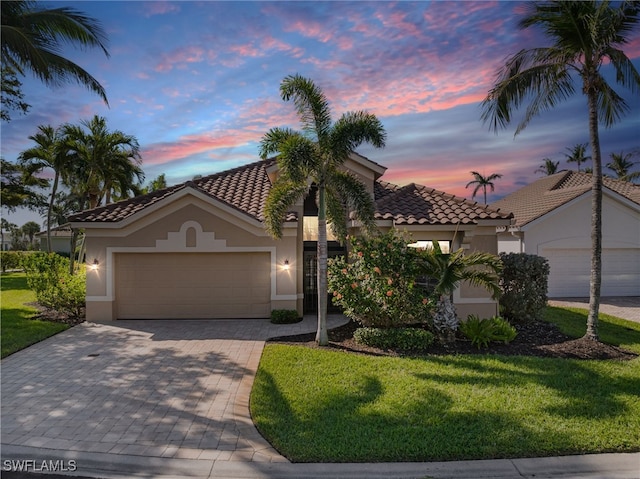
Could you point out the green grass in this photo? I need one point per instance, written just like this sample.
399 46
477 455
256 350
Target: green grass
16 329
612 330
328 406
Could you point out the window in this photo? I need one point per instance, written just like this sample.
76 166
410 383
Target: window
445 245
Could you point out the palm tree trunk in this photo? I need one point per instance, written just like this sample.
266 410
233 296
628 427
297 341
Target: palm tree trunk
50 209
322 337
596 220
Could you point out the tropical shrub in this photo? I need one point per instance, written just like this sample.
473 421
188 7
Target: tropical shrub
482 331
406 339
376 286
523 281
447 272
11 260
48 275
285 316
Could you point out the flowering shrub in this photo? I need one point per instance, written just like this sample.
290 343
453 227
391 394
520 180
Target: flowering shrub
376 286
48 275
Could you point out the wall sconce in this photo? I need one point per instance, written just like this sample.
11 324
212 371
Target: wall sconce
94 265
285 266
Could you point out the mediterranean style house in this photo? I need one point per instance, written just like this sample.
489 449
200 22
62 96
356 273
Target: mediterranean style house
199 249
553 220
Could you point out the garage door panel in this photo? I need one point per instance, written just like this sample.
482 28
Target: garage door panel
193 285
570 272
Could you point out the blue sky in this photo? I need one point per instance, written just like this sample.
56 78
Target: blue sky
197 84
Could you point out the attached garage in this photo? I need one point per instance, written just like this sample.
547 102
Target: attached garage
570 272
192 285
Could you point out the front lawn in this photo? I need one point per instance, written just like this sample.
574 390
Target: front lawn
330 406
16 329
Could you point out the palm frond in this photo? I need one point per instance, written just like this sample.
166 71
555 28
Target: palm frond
354 196
282 196
354 128
272 140
611 106
310 102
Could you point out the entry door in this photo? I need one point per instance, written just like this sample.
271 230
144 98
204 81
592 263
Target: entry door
310 272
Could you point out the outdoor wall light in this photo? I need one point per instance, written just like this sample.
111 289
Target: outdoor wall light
285 266
94 265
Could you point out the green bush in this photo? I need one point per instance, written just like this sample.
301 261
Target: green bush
10 260
405 339
376 285
524 286
482 331
48 275
285 316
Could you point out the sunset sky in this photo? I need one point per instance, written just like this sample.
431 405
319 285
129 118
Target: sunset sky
197 84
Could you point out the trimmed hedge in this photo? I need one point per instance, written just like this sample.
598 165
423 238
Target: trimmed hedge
285 316
404 339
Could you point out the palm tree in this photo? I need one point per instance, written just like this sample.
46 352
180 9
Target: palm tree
30 228
48 153
577 154
482 182
32 38
448 271
549 167
620 164
585 35
104 161
314 156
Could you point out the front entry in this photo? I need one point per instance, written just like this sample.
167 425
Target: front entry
311 275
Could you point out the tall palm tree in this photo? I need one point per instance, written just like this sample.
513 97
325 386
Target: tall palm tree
584 36
47 153
32 38
314 156
620 164
577 154
448 271
482 182
104 161
549 167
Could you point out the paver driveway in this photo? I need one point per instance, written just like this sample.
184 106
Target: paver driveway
171 389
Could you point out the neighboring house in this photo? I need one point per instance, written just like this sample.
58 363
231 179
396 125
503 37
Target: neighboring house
6 241
553 219
60 239
199 249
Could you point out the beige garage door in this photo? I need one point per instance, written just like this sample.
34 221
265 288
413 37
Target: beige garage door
192 285
570 272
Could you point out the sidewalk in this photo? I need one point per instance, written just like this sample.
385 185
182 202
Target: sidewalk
98 465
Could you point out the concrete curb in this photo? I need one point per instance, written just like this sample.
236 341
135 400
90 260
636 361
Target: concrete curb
101 465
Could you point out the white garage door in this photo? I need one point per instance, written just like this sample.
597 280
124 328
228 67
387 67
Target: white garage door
570 272
192 285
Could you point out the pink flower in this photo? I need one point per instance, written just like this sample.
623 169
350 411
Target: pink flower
354 285
377 270
389 281
389 293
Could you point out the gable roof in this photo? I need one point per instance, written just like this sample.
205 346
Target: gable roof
246 188
546 194
416 204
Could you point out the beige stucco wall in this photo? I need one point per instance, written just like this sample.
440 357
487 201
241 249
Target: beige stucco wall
189 224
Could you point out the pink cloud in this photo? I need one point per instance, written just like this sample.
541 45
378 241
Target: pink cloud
189 145
179 57
159 8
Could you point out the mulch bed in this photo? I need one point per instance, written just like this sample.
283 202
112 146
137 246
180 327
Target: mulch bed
46 314
537 338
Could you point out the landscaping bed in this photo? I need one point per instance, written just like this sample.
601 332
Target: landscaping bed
535 338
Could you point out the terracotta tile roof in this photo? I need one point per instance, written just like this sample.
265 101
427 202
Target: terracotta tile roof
548 193
246 189
416 204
